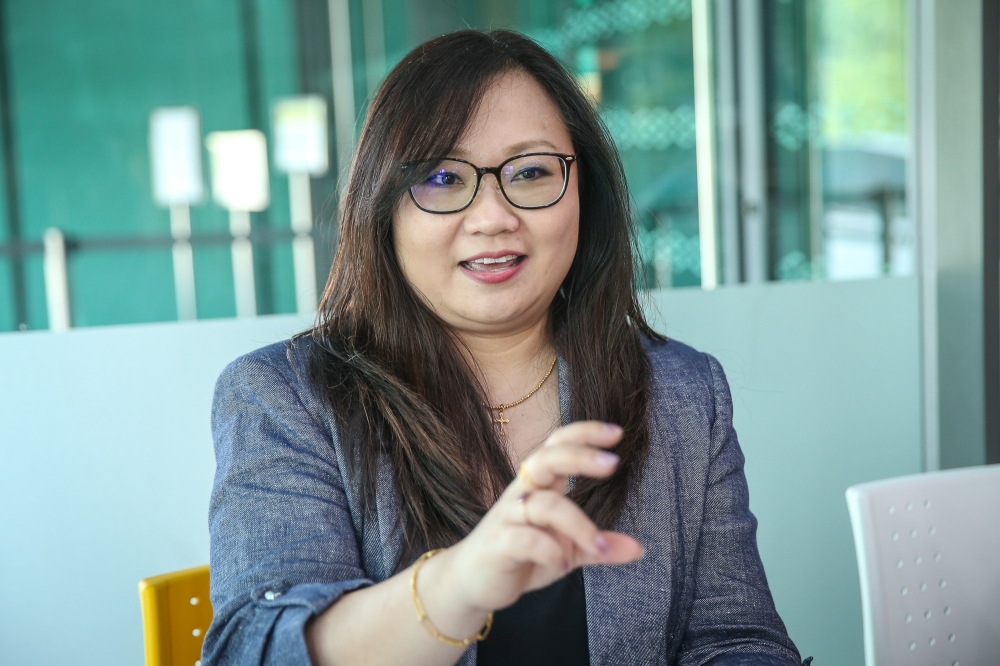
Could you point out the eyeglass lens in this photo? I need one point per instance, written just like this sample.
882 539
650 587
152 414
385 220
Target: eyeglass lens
529 181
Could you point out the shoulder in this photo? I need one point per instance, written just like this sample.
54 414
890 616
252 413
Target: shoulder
286 361
689 396
277 373
683 372
265 410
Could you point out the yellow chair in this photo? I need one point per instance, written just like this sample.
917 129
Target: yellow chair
176 613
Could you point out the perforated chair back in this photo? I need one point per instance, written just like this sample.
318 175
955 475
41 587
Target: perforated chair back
176 613
928 550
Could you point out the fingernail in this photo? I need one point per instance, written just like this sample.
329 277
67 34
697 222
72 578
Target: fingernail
601 543
613 427
606 458
565 565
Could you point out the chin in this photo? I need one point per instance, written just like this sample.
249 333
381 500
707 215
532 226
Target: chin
485 318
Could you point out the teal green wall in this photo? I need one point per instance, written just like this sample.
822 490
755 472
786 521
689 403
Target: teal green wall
85 77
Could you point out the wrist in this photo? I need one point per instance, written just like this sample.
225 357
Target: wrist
444 597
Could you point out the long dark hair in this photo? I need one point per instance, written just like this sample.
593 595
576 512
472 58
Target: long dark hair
394 372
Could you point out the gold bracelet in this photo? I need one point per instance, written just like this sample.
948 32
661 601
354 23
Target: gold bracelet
426 621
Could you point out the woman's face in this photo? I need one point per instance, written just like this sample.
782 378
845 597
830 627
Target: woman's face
438 253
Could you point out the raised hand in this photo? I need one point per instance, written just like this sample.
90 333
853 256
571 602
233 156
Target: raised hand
535 534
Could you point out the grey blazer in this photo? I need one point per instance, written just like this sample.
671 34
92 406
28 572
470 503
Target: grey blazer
288 537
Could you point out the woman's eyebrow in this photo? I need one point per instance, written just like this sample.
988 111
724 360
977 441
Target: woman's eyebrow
527 145
516 149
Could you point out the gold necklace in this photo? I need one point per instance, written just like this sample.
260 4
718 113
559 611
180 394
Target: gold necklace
500 408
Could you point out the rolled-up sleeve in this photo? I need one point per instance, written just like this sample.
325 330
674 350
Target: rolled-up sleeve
733 619
283 545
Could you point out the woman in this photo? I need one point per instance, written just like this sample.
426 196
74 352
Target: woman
481 411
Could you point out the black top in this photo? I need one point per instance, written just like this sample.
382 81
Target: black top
547 626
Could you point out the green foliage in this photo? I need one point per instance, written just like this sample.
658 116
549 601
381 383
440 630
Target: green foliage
861 67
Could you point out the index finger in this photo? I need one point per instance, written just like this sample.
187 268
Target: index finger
586 433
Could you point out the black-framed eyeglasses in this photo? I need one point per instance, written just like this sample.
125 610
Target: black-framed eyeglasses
533 180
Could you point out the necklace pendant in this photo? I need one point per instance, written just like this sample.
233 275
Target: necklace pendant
501 420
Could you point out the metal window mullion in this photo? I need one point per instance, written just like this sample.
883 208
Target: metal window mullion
705 142
753 135
728 140
922 186
342 66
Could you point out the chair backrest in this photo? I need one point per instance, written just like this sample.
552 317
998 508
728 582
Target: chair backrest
928 550
176 613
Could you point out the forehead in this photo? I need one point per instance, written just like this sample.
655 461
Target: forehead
515 115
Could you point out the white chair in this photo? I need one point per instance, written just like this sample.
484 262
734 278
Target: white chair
928 550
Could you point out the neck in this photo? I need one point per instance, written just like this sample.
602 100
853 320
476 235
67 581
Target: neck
511 363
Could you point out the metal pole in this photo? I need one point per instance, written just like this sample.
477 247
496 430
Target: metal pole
704 142
922 190
180 230
242 253
753 135
303 249
343 80
991 227
56 279
814 148
728 148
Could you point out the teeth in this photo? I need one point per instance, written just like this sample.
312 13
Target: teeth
498 260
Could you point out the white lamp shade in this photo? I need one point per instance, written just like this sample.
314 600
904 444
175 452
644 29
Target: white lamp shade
300 136
239 169
175 156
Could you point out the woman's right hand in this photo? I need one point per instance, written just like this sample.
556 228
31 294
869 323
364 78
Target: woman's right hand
535 534
531 537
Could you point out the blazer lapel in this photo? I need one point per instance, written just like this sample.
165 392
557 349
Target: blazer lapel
628 606
389 535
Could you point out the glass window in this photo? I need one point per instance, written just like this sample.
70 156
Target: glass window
835 88
806 113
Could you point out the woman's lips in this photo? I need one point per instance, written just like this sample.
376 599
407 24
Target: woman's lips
493 273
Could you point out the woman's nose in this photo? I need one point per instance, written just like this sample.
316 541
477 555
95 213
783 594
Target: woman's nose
490 213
